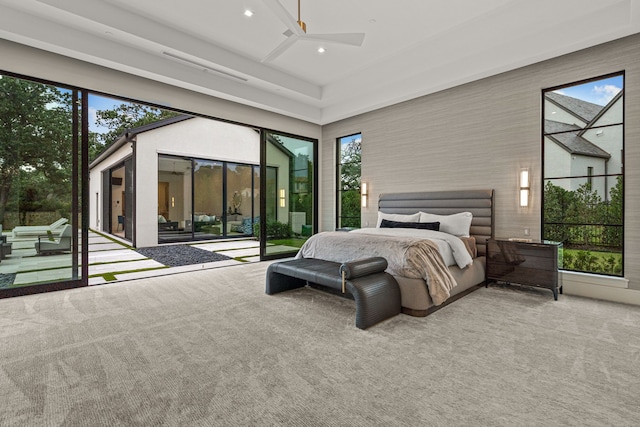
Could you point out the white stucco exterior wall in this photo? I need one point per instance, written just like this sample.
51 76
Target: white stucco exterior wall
196 137
95 184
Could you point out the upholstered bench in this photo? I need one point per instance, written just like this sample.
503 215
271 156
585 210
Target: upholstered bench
376 293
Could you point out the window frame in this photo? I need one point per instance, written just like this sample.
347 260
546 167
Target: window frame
589 177
339 164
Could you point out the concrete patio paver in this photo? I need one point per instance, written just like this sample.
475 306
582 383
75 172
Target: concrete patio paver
109 259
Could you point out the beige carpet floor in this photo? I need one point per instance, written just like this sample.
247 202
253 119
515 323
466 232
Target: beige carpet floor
209 348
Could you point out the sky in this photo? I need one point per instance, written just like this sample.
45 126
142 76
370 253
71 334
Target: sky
598 92
97 102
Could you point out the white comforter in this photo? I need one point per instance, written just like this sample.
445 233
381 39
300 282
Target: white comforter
451 248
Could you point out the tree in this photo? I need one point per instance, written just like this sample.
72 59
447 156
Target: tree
350 165
350 174
35 141
121 118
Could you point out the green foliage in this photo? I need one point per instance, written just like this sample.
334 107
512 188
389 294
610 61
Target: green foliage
585 223
127 116
275 230
350 181
581 217
351 165
350 209
35 146
592 261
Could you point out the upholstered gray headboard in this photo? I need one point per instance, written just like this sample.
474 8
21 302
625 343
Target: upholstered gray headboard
478 202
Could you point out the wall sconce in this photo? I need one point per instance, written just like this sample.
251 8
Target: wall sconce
283 201
524 188
173 202
364 194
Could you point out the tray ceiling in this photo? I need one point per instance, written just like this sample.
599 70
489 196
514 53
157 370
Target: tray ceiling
411 48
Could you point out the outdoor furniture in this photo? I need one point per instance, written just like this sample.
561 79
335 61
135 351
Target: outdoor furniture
163 224
62 244
38 230
5 249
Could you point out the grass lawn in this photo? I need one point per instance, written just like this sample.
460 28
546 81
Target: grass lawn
296 243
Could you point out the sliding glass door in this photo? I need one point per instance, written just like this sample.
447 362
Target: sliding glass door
40 186
290 197
202 199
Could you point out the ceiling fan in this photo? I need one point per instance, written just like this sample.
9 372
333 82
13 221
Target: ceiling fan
297 30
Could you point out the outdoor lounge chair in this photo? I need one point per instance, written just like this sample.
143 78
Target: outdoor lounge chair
39 230
62 244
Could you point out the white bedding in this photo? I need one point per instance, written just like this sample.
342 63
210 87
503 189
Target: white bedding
451 248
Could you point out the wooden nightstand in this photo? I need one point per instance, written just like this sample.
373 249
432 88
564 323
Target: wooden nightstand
530 263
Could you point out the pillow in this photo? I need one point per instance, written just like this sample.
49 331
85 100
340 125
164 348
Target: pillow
420 225
470 244
398 217
456 224
161 219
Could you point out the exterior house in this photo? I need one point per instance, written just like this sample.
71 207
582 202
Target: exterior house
179 179
578 139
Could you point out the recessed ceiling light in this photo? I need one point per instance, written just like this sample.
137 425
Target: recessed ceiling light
321 50
248 13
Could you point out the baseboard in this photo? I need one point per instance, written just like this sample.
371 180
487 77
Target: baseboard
607 293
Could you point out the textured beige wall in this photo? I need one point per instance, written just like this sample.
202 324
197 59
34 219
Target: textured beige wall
479 135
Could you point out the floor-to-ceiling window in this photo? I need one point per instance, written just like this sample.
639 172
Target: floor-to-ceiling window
583 199
348 180
201 199
291 182
41 190
81 166
175 191
243 206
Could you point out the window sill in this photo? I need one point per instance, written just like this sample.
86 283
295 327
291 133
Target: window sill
576 278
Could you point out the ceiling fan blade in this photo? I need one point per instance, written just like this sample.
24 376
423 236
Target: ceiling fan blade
279 50
278 9
352 39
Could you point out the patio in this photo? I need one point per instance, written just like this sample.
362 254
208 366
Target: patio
110 260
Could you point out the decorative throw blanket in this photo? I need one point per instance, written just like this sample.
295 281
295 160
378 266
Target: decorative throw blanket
406 257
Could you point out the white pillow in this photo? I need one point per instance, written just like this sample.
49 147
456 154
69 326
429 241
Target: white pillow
456 224
161 219
397 217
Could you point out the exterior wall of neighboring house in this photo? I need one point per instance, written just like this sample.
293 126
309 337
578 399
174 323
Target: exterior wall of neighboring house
281 161
580 165
95 185
557 158
608 139
197 137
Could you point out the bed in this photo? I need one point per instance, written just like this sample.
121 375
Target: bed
420 298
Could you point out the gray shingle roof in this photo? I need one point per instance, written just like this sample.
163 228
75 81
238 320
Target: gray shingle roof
551 126
582 109
575 144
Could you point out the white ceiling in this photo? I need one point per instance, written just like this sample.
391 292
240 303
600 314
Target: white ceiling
411 47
